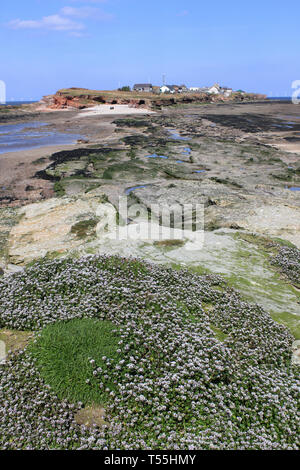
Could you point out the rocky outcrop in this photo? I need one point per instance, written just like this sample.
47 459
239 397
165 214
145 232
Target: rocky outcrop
80 99
58 101
296 353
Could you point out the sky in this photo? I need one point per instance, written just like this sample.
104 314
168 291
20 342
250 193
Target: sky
104 44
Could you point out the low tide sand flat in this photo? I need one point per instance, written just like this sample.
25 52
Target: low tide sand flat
119 109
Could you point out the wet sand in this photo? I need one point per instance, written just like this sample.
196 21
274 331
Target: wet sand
119 109
18 184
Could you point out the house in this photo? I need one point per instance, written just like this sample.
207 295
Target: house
168 89
180 88
145 87
156 90
226 91
215 89
199 89
183 89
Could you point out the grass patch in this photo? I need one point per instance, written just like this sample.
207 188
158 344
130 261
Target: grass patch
85 228
266 243
64 351
169 243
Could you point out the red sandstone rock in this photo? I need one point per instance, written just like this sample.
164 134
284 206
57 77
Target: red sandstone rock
62 101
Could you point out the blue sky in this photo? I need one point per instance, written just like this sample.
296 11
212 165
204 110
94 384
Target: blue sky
99 44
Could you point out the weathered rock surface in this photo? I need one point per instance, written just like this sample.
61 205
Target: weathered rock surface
296 353
243 184
91 416
54 227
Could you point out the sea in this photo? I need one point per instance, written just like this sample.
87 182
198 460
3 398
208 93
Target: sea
280 98
31 135
16 103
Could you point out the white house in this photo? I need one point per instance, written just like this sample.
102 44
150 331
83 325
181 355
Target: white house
215 89
182 89
226 91
167 89
143 87
202 89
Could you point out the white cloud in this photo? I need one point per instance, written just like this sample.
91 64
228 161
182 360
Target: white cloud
69 19
82 12
52 22
86 12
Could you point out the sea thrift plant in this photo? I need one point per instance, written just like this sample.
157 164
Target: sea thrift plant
198 368
288 262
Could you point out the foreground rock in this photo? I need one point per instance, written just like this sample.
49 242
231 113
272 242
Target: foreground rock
195 362
223 158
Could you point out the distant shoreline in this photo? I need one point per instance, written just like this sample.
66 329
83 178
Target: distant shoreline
279 98
20 103
17 103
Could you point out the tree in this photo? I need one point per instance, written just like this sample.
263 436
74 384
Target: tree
124 88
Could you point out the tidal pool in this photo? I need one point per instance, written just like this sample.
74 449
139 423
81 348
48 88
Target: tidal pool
129 190
176 136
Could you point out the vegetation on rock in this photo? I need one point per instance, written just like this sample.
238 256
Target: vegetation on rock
64 354
196 366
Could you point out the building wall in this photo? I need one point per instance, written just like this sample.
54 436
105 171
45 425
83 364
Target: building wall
146 89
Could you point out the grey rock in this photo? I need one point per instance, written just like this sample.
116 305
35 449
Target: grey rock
296 353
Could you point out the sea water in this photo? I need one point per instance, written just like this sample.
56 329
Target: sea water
30 135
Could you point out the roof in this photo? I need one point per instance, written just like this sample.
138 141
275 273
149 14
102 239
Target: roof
200 89
143 85
171 87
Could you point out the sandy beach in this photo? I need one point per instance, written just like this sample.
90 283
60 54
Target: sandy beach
116 109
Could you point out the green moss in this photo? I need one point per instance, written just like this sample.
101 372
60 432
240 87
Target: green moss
169 243
128 122
91 187
126 170
85 228
54 254
59 188
131 154
39 161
